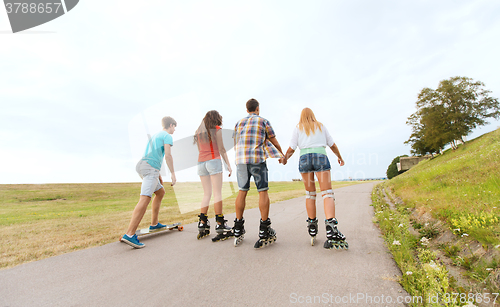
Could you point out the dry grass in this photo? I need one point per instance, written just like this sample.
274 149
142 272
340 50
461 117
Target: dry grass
40 221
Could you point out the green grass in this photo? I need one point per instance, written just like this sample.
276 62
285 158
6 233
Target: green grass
456 194
29 203
39 221
461 188
422 275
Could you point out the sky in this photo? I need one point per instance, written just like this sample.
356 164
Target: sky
78 95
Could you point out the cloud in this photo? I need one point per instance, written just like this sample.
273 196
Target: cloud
73 94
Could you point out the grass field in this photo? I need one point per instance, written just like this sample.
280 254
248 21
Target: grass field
40 221
461 187
441 219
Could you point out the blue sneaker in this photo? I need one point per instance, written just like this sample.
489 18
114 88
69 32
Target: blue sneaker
157 227
134 242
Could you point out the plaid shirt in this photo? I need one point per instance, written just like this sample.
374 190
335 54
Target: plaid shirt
252 135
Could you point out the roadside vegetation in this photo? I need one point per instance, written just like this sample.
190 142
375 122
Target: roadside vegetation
40 221
441 219
392 170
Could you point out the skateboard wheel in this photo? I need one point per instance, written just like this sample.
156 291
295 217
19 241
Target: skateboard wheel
180 228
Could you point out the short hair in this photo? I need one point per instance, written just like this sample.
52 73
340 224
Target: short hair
167 121
252 105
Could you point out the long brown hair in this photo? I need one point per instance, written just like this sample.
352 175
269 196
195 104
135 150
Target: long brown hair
308 122
207 126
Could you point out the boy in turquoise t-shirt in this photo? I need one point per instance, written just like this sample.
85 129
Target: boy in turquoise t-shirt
149 170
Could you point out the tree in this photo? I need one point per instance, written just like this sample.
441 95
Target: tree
428 131
449 113
392 170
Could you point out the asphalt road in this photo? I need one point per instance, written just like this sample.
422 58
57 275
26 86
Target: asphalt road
176 269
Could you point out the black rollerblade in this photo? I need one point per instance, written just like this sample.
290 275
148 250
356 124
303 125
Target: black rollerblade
267 235
334 238
223 231
312 228
238 231
203 226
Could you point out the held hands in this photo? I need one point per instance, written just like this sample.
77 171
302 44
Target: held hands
283 160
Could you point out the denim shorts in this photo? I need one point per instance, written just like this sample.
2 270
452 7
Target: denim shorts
259 173
150 178
314 162
210 167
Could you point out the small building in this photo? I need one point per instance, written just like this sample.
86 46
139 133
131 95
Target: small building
406 163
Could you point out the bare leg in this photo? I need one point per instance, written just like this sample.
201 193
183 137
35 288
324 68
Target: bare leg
325 183
239 204
138 214
207 193
264 203
155 208
217 189
310 185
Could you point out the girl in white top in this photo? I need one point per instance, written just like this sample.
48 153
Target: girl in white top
311 137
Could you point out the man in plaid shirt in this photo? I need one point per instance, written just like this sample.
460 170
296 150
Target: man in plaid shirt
254 141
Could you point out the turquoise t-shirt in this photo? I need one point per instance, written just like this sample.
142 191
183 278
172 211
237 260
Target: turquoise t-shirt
155 150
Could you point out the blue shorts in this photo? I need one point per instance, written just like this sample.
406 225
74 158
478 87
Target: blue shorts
259 173
150 178
314 162
210 167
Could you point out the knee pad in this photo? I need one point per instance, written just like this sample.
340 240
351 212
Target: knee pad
328 193
311 195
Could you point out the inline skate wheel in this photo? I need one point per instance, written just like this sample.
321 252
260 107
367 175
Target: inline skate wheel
237 240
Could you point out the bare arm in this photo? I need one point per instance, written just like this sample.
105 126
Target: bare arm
170 162
287 156
336 151
289 153
274 141
222 151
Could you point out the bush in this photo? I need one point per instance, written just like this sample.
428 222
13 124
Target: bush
392 170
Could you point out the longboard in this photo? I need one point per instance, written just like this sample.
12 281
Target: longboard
146 231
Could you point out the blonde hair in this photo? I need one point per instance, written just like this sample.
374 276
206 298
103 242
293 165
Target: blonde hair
308 122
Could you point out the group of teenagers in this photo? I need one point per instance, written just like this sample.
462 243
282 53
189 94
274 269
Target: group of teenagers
254 142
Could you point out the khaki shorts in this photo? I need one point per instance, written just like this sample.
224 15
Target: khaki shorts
150 178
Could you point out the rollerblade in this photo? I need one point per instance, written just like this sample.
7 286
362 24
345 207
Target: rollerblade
334 238
203 226
267 235
312 228
223 231
238 231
